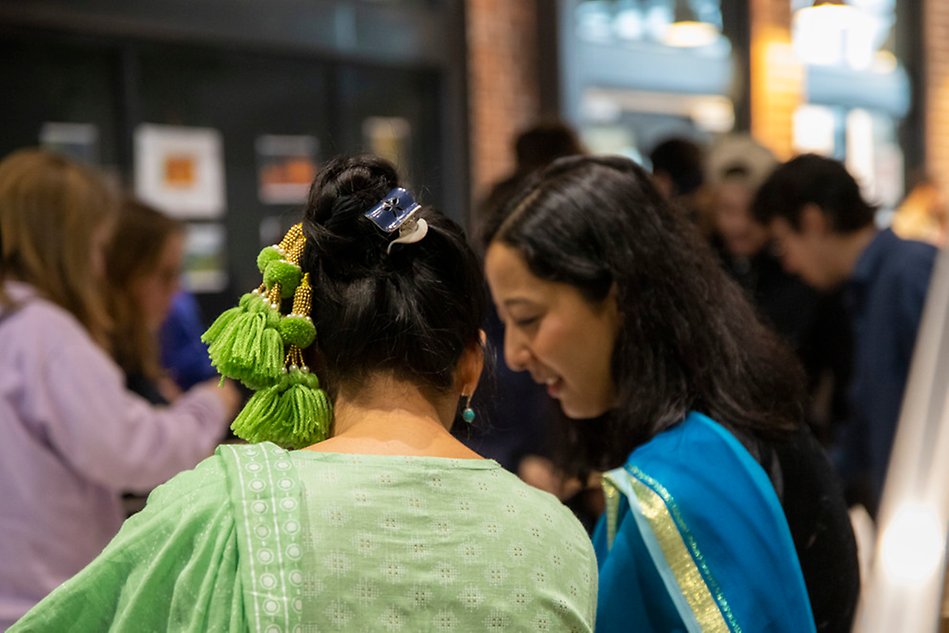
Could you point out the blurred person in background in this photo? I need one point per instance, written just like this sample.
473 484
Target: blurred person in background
183 356
384 520
678 171
722 512
74 436
826 234
143 267
737 165
813 323
534 147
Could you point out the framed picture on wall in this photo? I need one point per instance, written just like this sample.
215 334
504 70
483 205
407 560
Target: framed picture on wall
205 265
180 170
286 166
79 141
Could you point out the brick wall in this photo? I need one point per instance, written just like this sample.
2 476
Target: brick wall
503 95
936 87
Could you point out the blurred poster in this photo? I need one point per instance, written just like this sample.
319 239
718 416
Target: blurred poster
286 165
390 138
180 170
79 141
205 265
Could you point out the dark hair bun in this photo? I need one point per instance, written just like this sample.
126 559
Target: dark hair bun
413 310
344 190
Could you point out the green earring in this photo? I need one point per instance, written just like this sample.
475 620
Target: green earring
468 414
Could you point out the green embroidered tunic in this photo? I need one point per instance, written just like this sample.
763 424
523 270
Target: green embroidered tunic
260 539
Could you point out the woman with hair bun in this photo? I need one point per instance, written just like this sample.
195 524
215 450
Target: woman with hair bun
722 512
362 344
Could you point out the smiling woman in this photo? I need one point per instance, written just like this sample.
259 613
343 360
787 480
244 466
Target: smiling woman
556 334
722 511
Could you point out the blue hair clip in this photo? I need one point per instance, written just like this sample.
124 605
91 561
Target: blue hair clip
396 212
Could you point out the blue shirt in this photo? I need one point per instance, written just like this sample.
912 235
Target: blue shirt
886 294
182 352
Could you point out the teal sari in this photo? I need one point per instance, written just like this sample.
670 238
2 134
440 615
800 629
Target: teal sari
694 539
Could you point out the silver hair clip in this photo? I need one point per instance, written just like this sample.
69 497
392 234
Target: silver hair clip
396 212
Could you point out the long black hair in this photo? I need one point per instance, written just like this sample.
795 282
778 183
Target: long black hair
688 339
412 311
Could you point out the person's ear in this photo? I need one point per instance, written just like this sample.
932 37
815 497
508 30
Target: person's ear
470 366
814 221
609 303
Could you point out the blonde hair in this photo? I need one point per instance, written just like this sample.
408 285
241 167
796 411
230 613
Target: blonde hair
140 236
50 211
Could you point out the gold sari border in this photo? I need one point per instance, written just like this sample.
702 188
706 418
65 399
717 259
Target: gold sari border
681 551
612 495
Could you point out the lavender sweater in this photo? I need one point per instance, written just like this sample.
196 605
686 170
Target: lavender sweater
72 439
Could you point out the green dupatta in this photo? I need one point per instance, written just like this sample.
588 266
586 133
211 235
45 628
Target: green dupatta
216 548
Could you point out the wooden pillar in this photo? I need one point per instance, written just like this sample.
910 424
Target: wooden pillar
777 78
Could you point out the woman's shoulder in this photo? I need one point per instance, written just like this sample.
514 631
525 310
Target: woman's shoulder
695 465
538 507
695 440
203 486
37 334
28 311
22 298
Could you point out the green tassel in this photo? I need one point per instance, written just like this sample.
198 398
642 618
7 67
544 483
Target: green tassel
252 423
292 413
225 319
245 342
308 407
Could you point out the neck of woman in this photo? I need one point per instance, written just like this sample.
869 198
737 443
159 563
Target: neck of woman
389 416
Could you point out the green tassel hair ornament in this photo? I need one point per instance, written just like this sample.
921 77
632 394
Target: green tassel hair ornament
244 343
293 412
255 344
